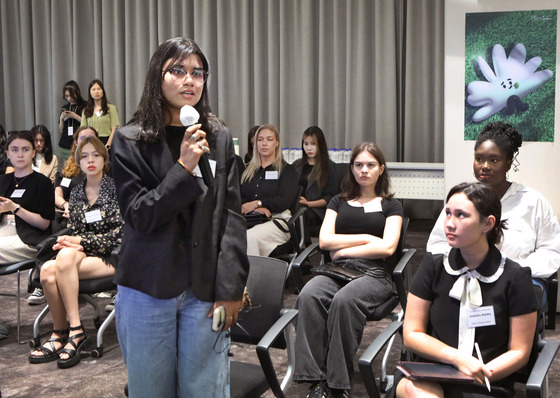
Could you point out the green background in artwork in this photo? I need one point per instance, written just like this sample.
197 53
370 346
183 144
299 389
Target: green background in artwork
537 31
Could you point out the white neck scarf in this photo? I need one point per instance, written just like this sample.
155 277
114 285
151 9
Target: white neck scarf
466 289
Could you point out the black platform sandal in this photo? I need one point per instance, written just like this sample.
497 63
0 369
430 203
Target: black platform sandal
49 353
73 353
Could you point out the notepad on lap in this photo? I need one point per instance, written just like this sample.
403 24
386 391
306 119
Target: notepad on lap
434 372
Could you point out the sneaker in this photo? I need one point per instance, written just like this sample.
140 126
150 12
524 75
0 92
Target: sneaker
37 297
318 390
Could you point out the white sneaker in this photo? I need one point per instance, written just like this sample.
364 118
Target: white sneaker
37 297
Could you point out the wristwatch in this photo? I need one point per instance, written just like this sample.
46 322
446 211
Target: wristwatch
16 209
259 203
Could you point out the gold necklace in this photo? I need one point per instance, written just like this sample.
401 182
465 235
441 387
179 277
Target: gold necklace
20 181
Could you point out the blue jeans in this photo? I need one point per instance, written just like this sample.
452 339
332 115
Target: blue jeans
169 347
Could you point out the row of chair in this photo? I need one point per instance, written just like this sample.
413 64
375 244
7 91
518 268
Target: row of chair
267 324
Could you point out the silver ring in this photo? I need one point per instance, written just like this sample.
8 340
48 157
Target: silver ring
203 147
193 137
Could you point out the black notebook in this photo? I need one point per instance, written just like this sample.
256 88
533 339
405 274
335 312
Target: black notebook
433 371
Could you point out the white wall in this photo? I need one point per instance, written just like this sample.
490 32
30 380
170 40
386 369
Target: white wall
539 161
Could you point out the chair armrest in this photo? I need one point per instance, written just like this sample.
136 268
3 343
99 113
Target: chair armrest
115 255
401 272
305 254
263 347
537 378
371 353
20 266
64 231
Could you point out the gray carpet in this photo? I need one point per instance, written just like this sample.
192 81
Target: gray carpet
106 376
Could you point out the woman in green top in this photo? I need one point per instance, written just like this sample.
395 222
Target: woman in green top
99 114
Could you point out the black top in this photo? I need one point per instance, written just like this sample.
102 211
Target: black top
65 139
363 219
276 192
37 197
67 184
511 295
312 190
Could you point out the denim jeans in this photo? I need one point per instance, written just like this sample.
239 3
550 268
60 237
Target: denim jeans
169 347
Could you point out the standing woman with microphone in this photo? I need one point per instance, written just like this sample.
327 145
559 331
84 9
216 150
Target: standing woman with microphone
184 245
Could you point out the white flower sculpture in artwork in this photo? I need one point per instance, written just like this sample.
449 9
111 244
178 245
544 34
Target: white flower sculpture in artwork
513 79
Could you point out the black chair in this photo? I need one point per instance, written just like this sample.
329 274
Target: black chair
87 288
296 225
534 378
11 269
265 324
552 296
401 277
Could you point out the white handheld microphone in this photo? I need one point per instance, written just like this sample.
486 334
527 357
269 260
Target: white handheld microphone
190 116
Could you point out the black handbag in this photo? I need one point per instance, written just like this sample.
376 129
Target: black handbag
255 218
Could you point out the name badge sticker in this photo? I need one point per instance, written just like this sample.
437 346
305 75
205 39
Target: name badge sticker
271 175
373 206
18 193
93 216
212 163
481 316
65 182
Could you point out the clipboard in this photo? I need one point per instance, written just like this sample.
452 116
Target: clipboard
438 372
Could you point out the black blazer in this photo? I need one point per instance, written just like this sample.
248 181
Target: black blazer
179 233
314 191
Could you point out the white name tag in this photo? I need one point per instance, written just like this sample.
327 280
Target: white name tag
271 175
373 206
65 182
93 216
70 131
481 316
212 163
18 193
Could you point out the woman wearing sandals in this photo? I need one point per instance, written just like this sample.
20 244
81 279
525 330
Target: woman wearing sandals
95 230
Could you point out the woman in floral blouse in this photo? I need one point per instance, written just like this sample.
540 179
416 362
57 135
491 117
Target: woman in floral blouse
95 230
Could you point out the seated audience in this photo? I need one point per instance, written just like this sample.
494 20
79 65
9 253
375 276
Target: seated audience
26 202
100 114
95 230
532 238
269 187
316 178
70 118
70 177
46 161
445 289
361 229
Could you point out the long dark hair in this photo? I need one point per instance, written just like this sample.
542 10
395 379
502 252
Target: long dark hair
486 202
505 136
150 114
72 87
3 146
88 110
45 133
320 171
351 188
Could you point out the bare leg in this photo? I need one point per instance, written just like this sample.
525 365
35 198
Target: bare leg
73 266
418 389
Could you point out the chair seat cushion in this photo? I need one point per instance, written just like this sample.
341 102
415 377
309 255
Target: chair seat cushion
247 380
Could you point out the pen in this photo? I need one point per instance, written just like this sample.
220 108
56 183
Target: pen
480 358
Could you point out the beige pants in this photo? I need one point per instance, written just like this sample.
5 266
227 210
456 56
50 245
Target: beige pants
12 249
263 238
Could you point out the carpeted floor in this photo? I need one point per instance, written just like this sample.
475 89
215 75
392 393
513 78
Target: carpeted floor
106 376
